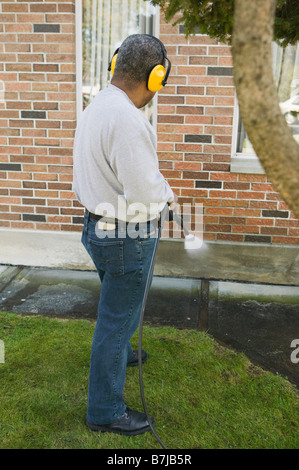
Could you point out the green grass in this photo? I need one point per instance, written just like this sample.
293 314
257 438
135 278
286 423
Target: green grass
201 394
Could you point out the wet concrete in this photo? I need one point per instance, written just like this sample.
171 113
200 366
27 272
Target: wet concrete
258 319
261 321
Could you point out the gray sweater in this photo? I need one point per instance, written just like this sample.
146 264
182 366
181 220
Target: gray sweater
116 171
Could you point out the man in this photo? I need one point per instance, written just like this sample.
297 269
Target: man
116 172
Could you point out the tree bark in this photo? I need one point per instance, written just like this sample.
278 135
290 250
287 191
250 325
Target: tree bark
266 127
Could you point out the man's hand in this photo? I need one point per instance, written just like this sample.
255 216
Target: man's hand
174 203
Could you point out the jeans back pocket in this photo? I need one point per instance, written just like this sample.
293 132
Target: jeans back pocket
107 255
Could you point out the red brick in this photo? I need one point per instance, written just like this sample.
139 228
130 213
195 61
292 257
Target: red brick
46 210
223 176
59 219
262 187
230 237
164 147
72 228
202 80
223 194
41 7
252 178
232 220
219 211
191 90
199 100
210 219
294 232
189 110
216 91
10 183
188 166
286 223
287 240
170 119
224 101
234 185
263 205
216 166
23 209
21 192
4 223
247 212
259 221
234 203
219 51
179 183
10 200
245 229
188 147
44 177
217 228
274 231
18 175
59 202
198 119
273 197
23 225
187 70
42 193
42 226
79 212
250 195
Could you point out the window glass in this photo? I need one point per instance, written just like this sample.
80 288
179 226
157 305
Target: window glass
106 23
286 76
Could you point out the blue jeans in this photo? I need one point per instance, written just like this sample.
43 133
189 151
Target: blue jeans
123 265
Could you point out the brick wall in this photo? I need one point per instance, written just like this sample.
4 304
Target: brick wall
195 129
37 115
195 124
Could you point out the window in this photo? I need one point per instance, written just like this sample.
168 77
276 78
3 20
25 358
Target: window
286 76
105 24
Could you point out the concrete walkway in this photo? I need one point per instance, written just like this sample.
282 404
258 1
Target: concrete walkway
258 319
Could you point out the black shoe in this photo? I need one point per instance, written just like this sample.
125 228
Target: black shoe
130 423
134 361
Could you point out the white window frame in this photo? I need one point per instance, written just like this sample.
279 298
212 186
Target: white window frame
242 162
79 61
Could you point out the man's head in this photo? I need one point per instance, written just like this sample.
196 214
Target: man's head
136 57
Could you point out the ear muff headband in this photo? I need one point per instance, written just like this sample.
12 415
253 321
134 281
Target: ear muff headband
157 77
112 62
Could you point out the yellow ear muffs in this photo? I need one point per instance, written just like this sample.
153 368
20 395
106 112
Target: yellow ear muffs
112 64
156 77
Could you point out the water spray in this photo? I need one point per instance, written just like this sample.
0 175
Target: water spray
191 241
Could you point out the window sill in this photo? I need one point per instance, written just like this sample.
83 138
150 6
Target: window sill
241 163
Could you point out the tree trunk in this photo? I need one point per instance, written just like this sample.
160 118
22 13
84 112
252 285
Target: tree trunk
266 127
